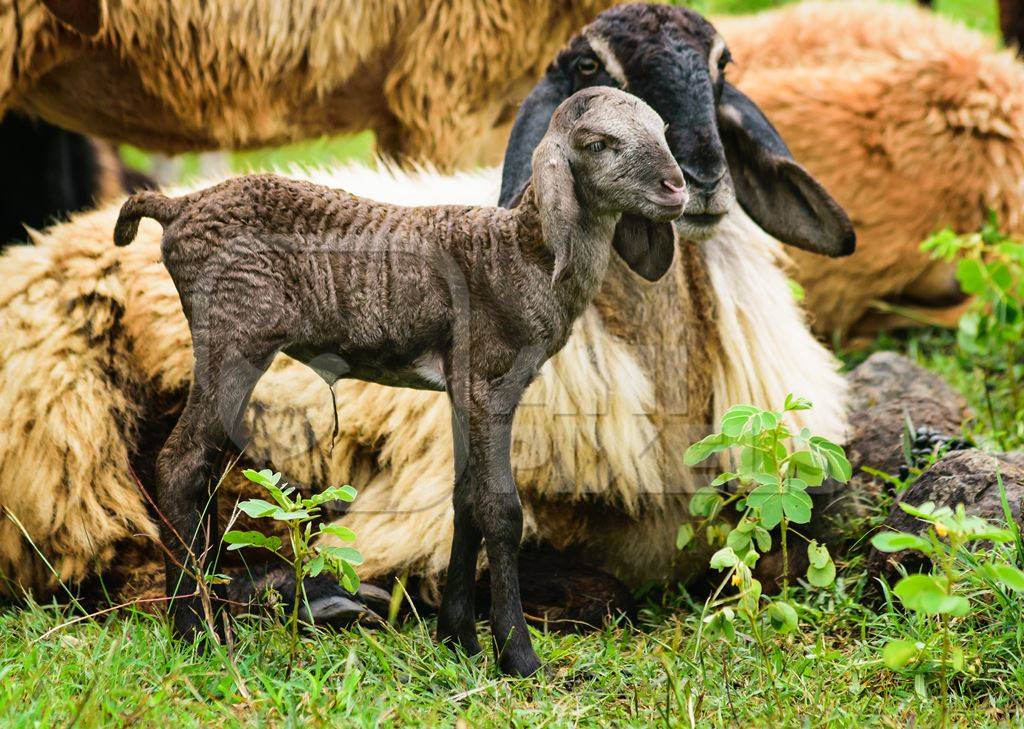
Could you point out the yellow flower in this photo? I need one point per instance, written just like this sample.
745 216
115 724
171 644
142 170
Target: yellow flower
737 579
941 529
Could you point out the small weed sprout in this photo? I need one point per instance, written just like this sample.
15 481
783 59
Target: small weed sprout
771 480
944 594
298 515
990 336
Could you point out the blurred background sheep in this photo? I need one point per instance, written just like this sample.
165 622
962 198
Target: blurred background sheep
914 123
431 78
925 109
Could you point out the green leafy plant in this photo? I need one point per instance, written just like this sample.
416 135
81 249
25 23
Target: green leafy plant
990 336
944 595
298 515
775 468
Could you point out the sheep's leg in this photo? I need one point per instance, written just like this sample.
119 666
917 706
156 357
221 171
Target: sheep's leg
189 528
456 622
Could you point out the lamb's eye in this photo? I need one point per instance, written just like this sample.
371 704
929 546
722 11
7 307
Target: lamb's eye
724 60
587 66
596 146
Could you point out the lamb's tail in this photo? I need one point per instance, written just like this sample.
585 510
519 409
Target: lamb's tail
145 204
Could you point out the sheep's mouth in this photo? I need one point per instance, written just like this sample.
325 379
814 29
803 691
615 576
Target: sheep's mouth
703 220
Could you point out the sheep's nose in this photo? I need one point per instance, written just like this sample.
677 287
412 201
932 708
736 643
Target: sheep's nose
705 185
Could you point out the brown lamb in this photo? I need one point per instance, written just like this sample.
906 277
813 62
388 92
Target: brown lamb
468 300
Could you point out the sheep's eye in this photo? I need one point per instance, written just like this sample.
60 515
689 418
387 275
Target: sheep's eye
724 60
587 66
596 146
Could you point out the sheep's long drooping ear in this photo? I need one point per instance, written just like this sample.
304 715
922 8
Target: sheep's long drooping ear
531 124
555 191
646 246
84 16
779 194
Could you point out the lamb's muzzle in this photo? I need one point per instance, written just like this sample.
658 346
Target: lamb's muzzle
469 300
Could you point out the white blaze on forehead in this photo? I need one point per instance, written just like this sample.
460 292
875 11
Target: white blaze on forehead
717 49
599 44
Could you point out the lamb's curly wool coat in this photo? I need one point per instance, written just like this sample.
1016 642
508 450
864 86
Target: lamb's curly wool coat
430 77
97 344
912 122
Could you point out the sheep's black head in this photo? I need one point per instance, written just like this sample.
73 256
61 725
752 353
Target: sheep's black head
605 150
673 59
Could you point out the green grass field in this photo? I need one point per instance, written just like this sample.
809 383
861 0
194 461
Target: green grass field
123 669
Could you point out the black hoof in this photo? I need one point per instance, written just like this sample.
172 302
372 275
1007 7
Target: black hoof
328 604
521 663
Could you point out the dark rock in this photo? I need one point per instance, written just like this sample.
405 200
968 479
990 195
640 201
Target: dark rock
966 477
887 376
888 392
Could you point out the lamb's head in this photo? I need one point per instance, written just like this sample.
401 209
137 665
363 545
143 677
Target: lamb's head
673 59
605 153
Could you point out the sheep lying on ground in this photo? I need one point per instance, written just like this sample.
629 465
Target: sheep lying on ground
430 77
99 362
472 301
912 121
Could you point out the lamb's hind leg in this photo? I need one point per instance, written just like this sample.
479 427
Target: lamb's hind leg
184 468
456 621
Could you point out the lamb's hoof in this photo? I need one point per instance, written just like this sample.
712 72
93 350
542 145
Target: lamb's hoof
522 663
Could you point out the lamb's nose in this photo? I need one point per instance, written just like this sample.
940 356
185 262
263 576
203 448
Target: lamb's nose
676 188
675 185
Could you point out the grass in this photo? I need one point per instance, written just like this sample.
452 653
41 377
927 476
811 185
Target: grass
124 669
127 670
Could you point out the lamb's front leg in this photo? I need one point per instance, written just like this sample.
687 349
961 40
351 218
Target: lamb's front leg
456 621
500 515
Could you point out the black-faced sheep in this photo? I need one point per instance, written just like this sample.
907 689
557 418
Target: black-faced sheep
99 357
597 443
431 77
471 301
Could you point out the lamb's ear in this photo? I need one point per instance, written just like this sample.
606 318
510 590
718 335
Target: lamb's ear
555 191
779 194
83 16
646 246
529 128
